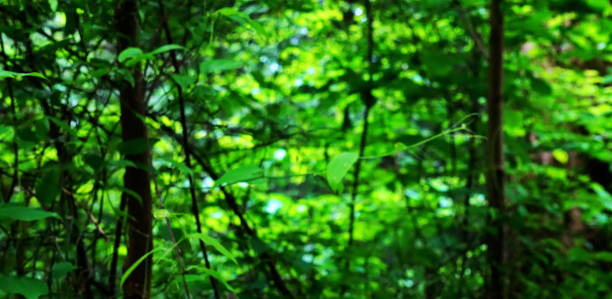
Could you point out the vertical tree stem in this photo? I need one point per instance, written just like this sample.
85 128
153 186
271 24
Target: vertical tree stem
495 155
185 141
136 179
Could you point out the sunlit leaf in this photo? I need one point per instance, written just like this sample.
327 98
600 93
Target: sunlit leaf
129 53
166 48
338 167
14 75
214 243
561 156
184 80
217 65
131 269
242 18
240 174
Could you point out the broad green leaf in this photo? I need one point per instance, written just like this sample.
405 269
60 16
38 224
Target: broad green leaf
62 268
47 188
240 174
30 288
214 243
129 271
217 65
129 53
25 213
184 80
338 167
166 48
134 60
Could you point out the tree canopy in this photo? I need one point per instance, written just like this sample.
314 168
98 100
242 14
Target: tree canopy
305 149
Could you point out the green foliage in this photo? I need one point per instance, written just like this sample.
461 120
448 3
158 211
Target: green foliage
338 167
214 243
14 75
274 96
24 213
30 288
240 174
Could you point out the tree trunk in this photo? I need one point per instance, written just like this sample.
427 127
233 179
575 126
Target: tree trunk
495 156
137 180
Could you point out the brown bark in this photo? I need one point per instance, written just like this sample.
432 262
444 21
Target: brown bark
137 180
495 156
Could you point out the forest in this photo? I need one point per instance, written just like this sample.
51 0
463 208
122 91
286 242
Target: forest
305 149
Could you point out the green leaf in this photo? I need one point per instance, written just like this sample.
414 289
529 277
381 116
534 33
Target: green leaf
240 174
242 18
166 48
28 287
129 53
602 5
95 161
207 272
561 156
217 65
25 213
604 256
541 86
124 74
134 265
338 167
14 75
259 245
53 5
184 80
62 268
48 186
180 166
214 243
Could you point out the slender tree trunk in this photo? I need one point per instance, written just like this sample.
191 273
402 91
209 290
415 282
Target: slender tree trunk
495 156
137 180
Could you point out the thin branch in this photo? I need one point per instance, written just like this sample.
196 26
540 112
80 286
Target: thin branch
171 233
369 102
194 201
272 271
471 31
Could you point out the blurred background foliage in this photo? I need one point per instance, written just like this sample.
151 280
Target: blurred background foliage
274 92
